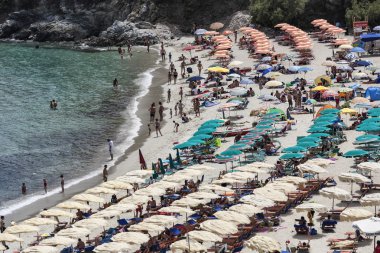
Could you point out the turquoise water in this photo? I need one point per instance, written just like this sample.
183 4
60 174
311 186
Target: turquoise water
37 142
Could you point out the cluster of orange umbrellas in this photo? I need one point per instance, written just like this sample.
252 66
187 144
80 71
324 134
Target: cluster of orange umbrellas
223 46
300 38
259 40
326 27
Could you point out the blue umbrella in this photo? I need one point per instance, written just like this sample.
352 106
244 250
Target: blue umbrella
289 156
200 31
363 63
194 78
266 71
355 153
358 50
246 81
304 69
203 136
231 152
366 138
308 144
266 59
294 68
294 149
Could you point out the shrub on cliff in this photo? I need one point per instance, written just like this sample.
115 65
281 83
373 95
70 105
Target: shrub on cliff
362 9
272 12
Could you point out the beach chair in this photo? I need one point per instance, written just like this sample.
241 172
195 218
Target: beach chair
68 250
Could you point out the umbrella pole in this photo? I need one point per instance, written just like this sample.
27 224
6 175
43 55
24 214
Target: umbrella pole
333 203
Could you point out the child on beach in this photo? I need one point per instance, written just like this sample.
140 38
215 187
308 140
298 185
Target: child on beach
149 130
171 113
176 125
158 127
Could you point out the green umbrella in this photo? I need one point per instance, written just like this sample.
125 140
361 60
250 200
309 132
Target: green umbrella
355 153
318 135
322 124
264 127
239 146
210 125
294 149
371 120
186 144
318 130
178 158
267 121
368 128
196 141
309 139
289 156
204 131
202 136
171 162
215 121
367 138
308 144
328 117
329 111
276 111
231 152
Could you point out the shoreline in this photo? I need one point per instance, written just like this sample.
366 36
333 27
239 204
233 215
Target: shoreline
153 91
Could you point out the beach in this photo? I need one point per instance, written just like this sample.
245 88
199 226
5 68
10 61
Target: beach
153 147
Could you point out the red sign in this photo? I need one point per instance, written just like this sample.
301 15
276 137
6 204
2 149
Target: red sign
360 24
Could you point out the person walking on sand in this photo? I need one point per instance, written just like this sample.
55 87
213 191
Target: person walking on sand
181 92
23 189
169 77
176 125
183 65
180 108
200 67
163 54
45 185
105 173
110 147
169 95
171 113
197 107
176 109
235 35
158 127
2 224
175 76
161 111
149 130
62 183
152 111
170 56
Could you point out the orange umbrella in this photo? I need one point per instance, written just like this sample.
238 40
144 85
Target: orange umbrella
216 26
281 25
211 33
222 56
228 32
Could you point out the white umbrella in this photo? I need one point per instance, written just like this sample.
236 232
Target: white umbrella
273 84
235 63
257 200
176 209
91 223
271 194
215 188
21 229
233 217
230 181
100 190
202 167
246 209
320 161
57 241
189 202
250 169
36 221
74 232
238 91
204 236
151 228
116 247
372 199
5 237
369 166
140 173
335 193
131 237
262 244
354 214
56 213
73 205
166 185
2 247
161 219
88 198
176 178
135 199
117 185
189 172
187 246
108 214
150 191
122 207
311 206
312 168
240 175
131 180
282 187
353 177
203 195
263 165
370 227
40 249
219 227
292 180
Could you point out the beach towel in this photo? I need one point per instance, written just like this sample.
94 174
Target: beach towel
209 103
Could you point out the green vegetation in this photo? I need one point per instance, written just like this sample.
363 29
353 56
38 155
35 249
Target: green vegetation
362 9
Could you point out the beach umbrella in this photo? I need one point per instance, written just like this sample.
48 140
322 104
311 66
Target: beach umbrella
311 168
262 244
345 47
355 214
215 188
194 79
151 228
238 91
140 173
330 111
40 249
372 199
2 248
95 190
150 191
294 68
205 130
218 70
318 80
56 213
328 63
309 139
308 145
246 81
353 177
200 31
304 69
73 205
106 214
233 75
262 67
348 111
240 175
5 237
318 135
202 167
294 149
235 63
88 198
318 129
135 199
74 232
92 223
131 237
36 221
204 236
320 162
216 26
116 247
233 217
358 100
246 209
369 227
189 202
292 179
196 141
311 102
257 200
282 187
250 169
261 165
355 153
58 241
289 156
176 209
273 84
335 193
368 128
231 152
184 145
203 195
186 245
273 74
122 207
305 207
161 220
271 194
369 166
219 227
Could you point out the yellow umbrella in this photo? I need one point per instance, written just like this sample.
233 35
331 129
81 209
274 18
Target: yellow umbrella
320 88
348 111
218 70
318 80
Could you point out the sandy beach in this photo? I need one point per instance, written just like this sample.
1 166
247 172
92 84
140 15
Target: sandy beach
154 147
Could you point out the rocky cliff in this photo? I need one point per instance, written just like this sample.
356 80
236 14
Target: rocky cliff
108 22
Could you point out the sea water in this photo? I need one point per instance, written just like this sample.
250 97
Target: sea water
38 143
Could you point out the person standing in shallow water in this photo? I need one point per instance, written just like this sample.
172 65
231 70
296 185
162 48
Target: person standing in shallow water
62 183
23 189
105 173
115 83
110 147
45 185
161 111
